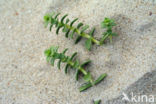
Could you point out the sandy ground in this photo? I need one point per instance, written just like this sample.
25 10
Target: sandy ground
26 78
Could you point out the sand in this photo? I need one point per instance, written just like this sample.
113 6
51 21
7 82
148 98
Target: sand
25 76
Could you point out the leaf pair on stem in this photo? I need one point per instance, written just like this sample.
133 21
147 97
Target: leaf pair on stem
52 54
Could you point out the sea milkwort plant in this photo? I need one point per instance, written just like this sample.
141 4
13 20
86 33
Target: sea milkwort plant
71 63
70 30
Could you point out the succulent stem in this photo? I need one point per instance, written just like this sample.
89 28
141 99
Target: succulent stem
81 34
79 68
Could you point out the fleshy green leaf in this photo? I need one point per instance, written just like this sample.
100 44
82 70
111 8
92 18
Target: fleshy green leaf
47 52
57 15
46 20
103 25
88 44
73 55
62 20
58 28
97 102
88 84
86 63
92 32
87 77
56 20
71 35
100 78
65 29
84 28
56 23
78 39
67 33
77 74
71 24
48 59
66 68
67 20
76 64
46 17
58 64
79 25
50 27
85 86
52 60
65 51
105 36
52 23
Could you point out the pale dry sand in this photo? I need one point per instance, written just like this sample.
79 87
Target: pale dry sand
26 78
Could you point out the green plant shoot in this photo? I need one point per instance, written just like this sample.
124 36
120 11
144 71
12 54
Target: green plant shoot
79 30
71 63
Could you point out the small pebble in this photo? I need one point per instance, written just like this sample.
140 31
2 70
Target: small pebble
150 13
16 14
10 27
